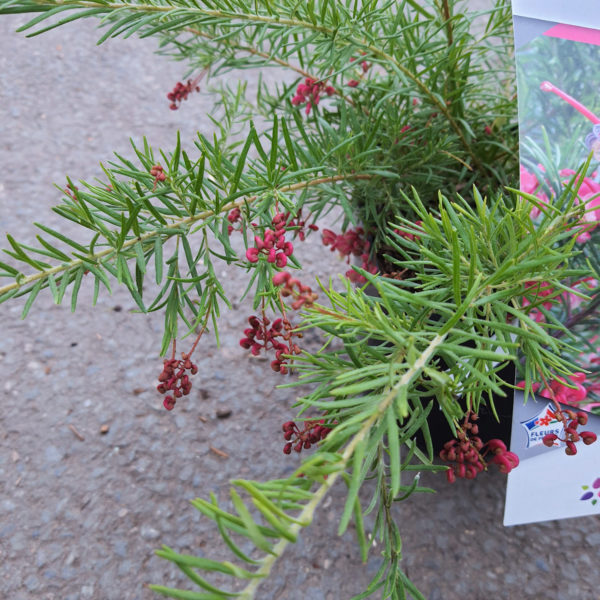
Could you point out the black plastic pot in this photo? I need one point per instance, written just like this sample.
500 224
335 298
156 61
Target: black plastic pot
489 426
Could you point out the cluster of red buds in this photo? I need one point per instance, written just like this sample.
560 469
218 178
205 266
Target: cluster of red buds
302 294
298 224
235 216
351 242
278 336
272 244
175 379
572 436
468 453
158 173
180 93
313 432
310 92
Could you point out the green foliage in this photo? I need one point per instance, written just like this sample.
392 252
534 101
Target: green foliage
432 114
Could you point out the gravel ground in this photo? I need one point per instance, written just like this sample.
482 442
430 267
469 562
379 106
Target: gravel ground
80 518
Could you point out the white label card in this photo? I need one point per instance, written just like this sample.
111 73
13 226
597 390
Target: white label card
557 50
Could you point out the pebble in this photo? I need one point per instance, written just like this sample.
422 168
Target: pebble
53 454
149 533
120 548
540 563
593 539
32 583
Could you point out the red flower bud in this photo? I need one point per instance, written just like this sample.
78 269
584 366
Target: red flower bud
571 449
280 260
588 437
280 278
252 255
450 475
287 449
496 446
549 439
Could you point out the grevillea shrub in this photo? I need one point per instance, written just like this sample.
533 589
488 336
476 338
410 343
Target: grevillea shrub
402 118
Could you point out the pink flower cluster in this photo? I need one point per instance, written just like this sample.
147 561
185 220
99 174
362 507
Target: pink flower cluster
588 194
541 290
560 391
272 244
303 294
158 173
351 242
298 224
310 92
235 216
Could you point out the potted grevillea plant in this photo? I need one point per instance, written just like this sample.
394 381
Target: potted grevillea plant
402 117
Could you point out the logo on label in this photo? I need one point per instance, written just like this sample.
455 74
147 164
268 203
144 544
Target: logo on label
543 423
591 492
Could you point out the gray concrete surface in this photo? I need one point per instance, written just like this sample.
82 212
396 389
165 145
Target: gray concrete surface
80 519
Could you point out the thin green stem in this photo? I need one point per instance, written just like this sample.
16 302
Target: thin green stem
277 21
23 281
306 516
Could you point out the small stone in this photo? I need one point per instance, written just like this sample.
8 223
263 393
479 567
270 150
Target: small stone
149 533
224 413
32 583
53 454
593 539
8 505
120 547
540 563
104 429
